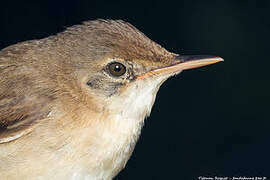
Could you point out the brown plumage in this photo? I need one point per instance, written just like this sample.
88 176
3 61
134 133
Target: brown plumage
64 114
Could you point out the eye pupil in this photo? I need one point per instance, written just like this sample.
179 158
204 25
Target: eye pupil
116 69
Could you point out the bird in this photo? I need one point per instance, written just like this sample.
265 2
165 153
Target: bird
72 105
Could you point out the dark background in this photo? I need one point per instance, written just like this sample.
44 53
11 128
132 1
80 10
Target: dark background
212 121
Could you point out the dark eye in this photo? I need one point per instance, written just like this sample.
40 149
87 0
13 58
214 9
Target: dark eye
116 69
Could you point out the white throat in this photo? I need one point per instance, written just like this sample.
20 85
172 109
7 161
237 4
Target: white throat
118 137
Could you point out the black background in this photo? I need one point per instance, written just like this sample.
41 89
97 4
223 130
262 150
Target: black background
211 121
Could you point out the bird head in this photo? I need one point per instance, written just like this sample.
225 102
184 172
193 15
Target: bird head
122 69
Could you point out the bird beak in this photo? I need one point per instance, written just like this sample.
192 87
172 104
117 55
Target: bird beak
181 63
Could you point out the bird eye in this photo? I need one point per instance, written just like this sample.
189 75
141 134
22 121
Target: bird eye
116 69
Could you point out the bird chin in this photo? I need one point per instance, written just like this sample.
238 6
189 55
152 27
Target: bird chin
136 102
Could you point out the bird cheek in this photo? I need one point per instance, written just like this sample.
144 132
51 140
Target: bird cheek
103 87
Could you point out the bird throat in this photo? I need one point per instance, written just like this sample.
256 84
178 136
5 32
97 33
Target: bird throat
128 112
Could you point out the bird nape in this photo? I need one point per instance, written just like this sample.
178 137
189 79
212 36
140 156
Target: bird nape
72 105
